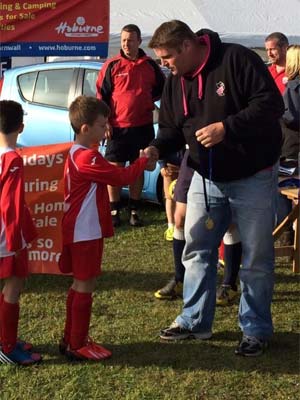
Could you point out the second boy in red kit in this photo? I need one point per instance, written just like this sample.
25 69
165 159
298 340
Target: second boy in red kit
87 220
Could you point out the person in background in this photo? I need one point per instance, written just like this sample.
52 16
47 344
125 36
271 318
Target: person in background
290 124
276 45
222 102
173 289
169 172
87 221
227 292
129 84
16 231
291 98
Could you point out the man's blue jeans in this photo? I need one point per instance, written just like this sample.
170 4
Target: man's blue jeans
250 203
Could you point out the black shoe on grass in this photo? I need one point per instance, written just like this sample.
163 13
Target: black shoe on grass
251 346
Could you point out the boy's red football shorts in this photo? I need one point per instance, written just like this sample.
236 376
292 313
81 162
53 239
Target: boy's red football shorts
82 259
14 266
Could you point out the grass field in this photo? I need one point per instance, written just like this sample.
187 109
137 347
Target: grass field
127 318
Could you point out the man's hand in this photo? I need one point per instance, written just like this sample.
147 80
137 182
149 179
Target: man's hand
152 153
211 134
150 164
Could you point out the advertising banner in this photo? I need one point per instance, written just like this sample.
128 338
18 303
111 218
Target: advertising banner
5 63
54 28
44 167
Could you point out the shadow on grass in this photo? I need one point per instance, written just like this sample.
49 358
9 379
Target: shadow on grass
150 213
125 280
285 278
132 280
216 354
286 296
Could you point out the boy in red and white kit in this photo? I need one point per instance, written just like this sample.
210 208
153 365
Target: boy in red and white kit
87 220
16 231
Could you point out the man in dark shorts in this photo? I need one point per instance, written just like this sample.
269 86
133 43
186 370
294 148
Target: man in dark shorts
129 83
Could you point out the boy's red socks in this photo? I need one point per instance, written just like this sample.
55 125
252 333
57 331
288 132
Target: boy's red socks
1 300
81 315
68 323
9 316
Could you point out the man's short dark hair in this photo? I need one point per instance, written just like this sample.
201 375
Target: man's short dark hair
11 116
282 40
85 110
171 34
132 28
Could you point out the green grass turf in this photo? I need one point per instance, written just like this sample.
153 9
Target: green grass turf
127 318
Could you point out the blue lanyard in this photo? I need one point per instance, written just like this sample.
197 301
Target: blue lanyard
207 196
209 223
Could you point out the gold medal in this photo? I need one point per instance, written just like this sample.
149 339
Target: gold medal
209 223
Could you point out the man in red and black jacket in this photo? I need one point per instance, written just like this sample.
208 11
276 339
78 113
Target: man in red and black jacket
129 83
276 45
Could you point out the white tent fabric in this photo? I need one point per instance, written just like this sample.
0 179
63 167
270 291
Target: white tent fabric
239 21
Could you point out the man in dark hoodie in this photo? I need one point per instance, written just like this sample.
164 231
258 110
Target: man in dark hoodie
221 100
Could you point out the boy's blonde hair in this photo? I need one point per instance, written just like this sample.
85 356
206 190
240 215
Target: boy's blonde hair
85 110
292 69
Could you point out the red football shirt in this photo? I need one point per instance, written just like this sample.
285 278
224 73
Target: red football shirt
86 209
16 225
279 78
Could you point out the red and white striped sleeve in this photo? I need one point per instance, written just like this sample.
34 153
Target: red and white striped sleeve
12 199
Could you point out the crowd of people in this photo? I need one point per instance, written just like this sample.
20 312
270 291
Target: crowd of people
225 111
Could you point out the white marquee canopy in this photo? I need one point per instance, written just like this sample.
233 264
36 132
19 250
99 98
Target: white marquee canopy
239 21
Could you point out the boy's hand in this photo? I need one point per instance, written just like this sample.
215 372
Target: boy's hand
151 164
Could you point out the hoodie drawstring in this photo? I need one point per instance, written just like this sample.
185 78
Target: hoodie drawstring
185 107
205 39
184 101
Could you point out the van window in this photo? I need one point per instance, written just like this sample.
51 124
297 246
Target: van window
52 87
26 84
89 82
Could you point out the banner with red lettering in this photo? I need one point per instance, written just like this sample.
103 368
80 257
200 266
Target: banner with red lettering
54 28
43 167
